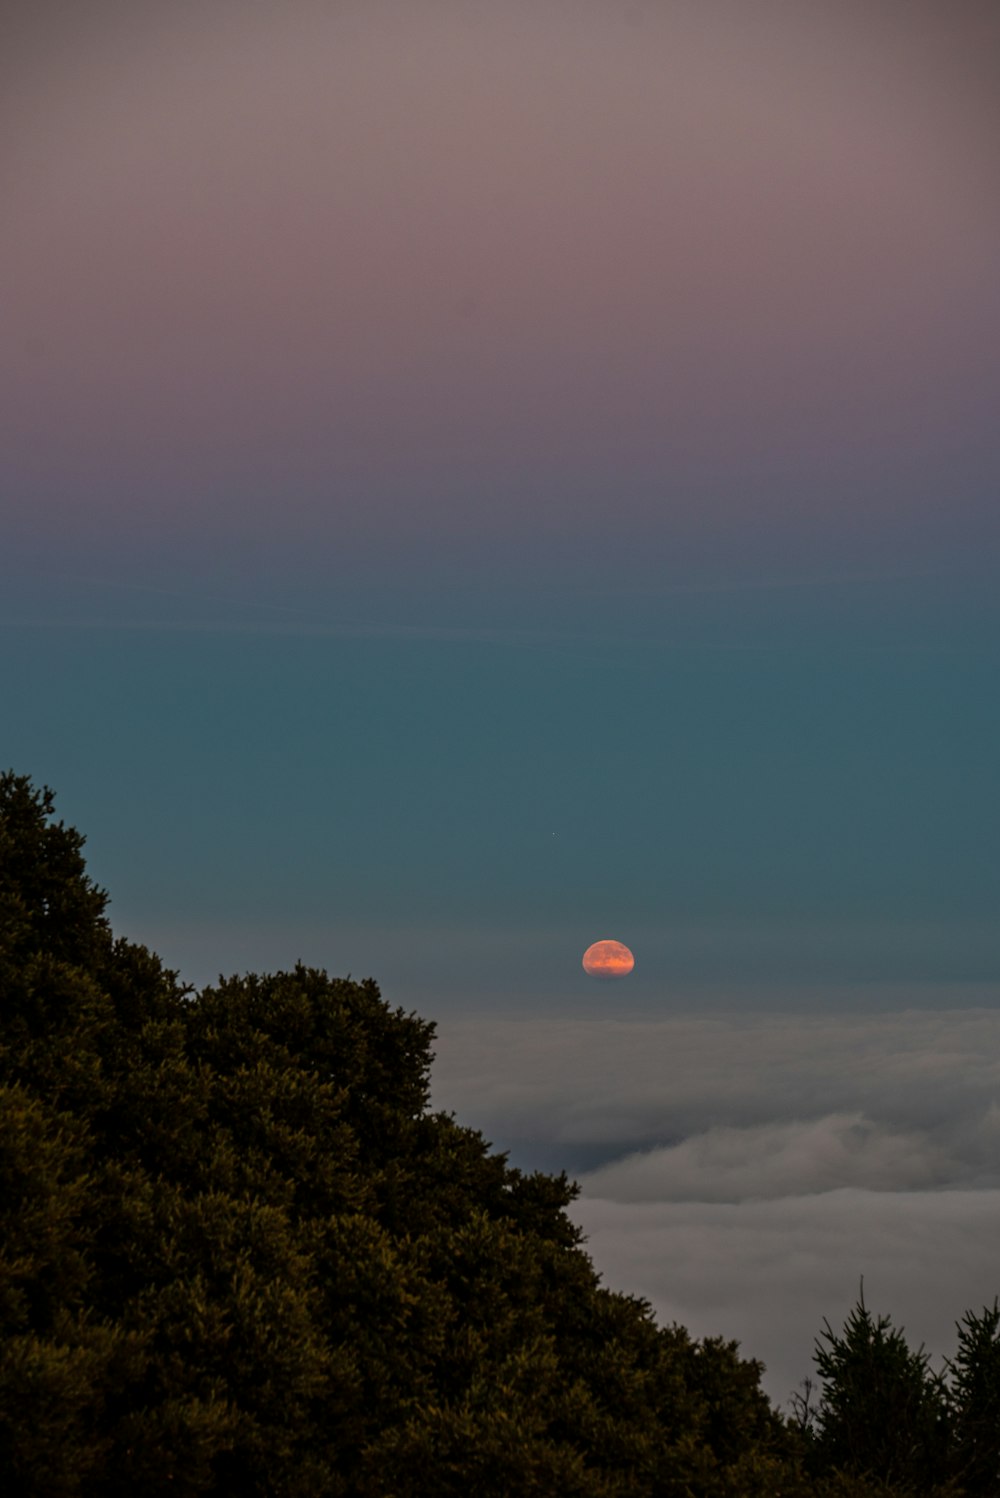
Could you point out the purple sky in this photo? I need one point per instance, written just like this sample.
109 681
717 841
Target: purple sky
481 273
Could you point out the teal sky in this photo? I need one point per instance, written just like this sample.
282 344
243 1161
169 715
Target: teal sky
754 787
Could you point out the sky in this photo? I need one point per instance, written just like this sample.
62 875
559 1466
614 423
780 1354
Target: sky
477 480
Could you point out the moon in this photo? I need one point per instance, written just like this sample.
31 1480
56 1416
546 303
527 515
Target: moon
608 959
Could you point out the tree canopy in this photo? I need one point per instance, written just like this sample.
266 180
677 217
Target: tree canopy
239 1253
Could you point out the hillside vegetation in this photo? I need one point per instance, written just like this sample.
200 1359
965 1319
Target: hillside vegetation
240 1255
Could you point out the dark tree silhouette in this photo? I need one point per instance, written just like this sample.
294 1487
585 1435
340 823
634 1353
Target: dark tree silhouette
975 1399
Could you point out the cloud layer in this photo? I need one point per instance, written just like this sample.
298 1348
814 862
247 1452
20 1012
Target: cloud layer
775 1160
746 1172
768 1273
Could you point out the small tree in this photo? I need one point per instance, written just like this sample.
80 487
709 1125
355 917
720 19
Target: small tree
882 1412
975 1398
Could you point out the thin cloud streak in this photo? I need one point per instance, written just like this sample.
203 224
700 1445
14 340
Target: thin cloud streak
773 1160
631 652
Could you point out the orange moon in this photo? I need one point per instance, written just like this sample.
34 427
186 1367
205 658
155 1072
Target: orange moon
608 959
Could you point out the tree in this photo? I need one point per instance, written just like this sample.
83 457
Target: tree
974 1396
882 1414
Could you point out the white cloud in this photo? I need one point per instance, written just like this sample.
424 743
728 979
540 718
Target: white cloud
773 1160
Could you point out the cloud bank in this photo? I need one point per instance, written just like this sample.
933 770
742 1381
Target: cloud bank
746 1171
774 1160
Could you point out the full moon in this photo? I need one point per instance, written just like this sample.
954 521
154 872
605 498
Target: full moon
608 959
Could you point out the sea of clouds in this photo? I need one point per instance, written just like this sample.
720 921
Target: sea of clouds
743 1172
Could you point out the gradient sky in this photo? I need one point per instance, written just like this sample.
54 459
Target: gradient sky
478 479
475 482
